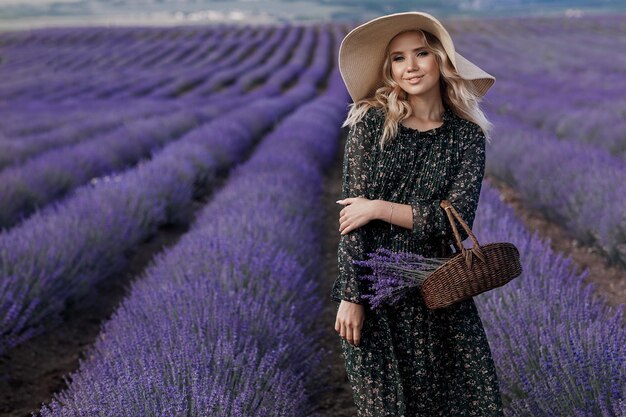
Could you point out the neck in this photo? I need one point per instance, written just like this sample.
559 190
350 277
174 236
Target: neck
426 108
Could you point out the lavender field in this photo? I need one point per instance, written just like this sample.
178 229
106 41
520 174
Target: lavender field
108 135
560 115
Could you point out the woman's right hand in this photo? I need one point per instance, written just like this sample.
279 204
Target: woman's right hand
349 322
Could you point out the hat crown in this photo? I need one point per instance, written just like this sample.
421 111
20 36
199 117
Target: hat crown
400 22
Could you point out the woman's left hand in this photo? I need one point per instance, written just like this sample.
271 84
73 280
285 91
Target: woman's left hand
357 212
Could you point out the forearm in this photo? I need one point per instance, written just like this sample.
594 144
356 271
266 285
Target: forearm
401 215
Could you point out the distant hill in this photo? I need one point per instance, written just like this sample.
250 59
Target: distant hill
32 13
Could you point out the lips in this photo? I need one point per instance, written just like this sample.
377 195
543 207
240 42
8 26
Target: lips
413 80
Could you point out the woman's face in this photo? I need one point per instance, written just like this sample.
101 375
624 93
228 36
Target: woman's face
413 67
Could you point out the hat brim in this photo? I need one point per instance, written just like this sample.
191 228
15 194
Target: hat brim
362 53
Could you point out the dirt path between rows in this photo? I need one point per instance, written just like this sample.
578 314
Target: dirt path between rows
32 372
610 281
337 400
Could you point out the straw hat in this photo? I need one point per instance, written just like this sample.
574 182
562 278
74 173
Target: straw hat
361 53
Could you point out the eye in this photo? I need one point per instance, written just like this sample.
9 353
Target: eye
397 57
423 53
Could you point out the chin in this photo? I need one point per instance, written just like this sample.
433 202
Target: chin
416 91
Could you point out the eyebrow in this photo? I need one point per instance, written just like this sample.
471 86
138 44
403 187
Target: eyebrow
414 50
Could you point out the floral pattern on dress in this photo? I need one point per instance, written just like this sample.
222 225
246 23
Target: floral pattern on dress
412 361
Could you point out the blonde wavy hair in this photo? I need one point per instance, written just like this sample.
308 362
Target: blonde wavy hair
456 92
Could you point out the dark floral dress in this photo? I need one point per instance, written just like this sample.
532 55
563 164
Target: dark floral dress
412 361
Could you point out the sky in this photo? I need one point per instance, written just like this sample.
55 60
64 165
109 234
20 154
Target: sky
16 14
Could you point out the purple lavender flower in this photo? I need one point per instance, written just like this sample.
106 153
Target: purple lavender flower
394 274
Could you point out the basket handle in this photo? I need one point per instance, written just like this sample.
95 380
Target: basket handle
467 254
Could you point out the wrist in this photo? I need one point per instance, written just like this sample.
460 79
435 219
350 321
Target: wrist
382 210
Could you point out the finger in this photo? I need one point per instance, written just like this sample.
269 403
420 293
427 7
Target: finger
342 331
337 325
343 226
349 335
356 334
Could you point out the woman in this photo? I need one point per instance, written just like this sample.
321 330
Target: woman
417 136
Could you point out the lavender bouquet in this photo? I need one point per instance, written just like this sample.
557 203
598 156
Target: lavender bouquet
395 273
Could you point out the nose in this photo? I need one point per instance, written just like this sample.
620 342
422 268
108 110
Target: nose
413 63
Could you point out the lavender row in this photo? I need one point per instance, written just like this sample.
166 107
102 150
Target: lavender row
15 150
226 322
108 221
57 172
577 186
574 181
52 85
26 108
132 82
308 62
595 118
59 253
123 49
54 174
585 102
229 53
127 89
29 118
601 126
231 66
559 349
186 79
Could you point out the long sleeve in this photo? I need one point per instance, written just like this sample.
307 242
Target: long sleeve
429 219
356 165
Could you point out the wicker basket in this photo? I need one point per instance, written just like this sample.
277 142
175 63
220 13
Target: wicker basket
470 271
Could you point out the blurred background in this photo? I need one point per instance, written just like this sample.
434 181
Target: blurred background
31 13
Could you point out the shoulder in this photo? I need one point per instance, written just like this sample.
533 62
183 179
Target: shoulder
376 113
466 126
372 116
469 133
370 122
